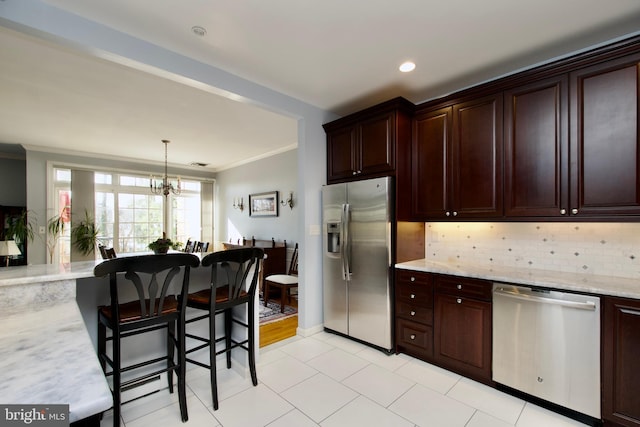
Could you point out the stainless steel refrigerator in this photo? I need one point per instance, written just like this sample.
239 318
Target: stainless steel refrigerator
356 230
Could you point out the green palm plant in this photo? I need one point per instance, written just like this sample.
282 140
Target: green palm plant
84 234
55 227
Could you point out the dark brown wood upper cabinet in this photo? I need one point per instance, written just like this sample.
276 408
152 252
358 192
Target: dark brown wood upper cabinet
605 148
341 153
457 161
536 149
430 164
477 158
365 144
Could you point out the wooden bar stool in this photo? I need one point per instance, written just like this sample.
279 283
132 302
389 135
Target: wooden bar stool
234 279
155 308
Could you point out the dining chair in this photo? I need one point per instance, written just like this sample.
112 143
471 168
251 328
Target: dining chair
156 308
284 282
107 253
233 283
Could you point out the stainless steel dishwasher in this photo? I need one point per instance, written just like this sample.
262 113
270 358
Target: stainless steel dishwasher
547 344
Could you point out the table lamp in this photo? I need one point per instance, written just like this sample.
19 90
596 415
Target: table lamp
8 248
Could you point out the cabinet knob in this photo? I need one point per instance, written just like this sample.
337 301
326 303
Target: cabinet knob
455 213
355 173
413 313
459 300
459 286
413 336
563 211
574 211
413 279
447 213
413 296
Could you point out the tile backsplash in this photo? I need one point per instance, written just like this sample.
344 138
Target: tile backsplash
609 249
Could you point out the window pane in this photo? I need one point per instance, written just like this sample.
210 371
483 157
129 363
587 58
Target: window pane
125 215
129 181
63 175
102 178
125 200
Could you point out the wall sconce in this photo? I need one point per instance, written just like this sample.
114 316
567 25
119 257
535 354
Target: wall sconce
289 201
238 203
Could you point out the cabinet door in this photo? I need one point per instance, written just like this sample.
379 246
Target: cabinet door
605 148
341 153
536 157
477 158
462 336
430 165
620 368
377 145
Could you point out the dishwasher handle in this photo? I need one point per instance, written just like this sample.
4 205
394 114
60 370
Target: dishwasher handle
587 305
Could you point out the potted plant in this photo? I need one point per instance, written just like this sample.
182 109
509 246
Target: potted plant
55 227
84 235
162 245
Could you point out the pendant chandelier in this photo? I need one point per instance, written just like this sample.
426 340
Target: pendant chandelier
165 186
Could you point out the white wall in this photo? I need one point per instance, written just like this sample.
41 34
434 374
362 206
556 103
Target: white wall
276 173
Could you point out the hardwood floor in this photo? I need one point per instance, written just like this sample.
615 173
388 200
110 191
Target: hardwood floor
278 331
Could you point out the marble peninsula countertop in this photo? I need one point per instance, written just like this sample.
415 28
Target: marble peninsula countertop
46 354
576 282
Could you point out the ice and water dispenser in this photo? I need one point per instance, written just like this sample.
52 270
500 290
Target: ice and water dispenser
333 237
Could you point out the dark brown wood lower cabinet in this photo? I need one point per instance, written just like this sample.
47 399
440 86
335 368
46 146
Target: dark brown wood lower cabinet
462 336
621 361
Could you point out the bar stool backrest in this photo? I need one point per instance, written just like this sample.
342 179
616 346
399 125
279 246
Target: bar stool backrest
142 272
229 273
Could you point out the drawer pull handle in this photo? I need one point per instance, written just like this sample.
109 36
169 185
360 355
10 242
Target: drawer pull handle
413 313
413 337
459 286
413 296
413 279
459 300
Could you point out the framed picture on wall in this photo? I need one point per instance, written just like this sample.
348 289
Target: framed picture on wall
263 204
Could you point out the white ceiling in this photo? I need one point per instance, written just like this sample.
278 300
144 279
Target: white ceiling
334 54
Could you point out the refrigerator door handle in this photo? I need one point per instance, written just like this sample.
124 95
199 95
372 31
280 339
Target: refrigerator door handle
342 243
346 246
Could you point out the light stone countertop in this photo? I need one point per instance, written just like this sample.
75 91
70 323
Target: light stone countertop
584 283
46 357
24 274
46 354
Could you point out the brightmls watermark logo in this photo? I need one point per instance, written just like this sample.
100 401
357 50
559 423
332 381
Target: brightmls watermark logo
34 415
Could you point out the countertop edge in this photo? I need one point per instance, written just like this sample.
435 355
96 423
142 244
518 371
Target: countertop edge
575 282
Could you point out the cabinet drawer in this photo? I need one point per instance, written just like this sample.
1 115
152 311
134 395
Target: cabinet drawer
413 277
415 295
414 312
463 287
414 337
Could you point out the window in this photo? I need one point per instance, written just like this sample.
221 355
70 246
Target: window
129 216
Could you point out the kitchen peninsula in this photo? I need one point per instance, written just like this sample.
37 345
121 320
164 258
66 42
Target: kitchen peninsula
46 355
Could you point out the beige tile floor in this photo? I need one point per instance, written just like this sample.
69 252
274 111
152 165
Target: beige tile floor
329 381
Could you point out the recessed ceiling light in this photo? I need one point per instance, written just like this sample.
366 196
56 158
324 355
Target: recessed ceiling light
405 67
199 31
